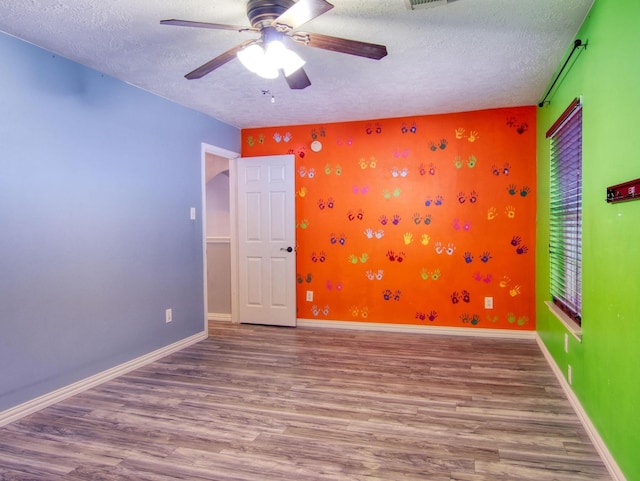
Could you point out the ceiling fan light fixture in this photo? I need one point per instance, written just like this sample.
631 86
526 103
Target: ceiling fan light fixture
279 56
255 60
275 52
268 72
252 57
267 62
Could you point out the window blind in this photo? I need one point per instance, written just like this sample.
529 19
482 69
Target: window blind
565 243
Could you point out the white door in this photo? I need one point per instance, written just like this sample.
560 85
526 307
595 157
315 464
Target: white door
266 240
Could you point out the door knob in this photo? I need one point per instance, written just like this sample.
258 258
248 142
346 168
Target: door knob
288 249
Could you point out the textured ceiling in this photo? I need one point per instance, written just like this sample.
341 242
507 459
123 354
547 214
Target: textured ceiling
466 55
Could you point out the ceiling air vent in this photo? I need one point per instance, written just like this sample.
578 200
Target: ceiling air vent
414 4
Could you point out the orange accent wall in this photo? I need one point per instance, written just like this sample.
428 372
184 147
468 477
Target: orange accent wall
414 220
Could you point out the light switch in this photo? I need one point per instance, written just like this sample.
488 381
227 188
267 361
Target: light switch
192 213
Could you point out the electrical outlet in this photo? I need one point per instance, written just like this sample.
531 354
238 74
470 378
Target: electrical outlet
566 342
488 302
570 375
309 296
168 316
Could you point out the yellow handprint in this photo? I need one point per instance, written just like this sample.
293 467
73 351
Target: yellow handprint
492 213
372 162
302 192
511 212
362 163
459 133
473 136
505 280
514 291
408 238
365 312
424 240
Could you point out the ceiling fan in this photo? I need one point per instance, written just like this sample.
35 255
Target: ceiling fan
277 20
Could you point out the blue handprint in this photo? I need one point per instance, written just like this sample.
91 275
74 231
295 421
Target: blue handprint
486 255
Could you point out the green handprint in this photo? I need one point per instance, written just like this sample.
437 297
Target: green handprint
424 274
364 257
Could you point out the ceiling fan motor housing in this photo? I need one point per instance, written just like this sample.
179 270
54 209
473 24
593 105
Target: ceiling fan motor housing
262 13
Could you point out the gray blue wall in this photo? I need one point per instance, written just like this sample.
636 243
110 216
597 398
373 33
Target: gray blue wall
96 182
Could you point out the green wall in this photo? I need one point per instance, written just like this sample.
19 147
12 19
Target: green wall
606 365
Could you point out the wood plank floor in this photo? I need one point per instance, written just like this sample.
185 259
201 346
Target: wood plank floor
265 403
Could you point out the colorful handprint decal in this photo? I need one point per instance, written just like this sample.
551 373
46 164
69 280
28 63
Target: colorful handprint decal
414 220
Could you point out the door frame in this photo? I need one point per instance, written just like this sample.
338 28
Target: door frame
231 156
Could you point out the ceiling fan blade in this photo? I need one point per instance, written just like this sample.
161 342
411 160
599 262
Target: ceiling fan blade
298 80
342 45
300 13
219 61
216 26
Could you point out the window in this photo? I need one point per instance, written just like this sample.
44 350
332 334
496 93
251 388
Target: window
565 244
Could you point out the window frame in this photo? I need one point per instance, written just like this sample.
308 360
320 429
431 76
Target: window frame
565 214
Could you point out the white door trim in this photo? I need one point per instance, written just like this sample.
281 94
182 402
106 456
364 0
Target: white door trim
231 155
233 234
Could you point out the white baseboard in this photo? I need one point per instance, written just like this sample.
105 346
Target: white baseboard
218 316
601 447
29 407
418 329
